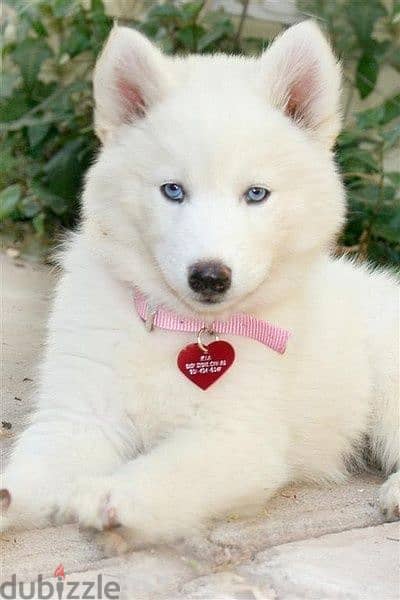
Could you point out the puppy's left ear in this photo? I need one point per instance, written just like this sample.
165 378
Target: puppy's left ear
131 76
303 80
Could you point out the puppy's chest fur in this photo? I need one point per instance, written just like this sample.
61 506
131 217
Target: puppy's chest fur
159 398
296 393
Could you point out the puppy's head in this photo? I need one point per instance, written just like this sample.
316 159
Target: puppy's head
215 183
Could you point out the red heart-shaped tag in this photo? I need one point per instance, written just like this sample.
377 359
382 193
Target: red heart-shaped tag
204 368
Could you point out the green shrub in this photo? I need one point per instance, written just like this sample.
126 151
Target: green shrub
47 141
366 37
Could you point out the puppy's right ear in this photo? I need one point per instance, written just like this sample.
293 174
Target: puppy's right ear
130 76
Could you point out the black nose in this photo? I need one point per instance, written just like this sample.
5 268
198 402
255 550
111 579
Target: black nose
210 278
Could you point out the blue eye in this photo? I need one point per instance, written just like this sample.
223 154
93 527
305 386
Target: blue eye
256 194
173 191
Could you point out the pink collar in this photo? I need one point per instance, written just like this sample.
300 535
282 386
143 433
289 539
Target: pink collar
240 324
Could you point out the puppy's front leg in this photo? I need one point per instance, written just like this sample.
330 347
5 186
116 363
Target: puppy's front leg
191 477
49 457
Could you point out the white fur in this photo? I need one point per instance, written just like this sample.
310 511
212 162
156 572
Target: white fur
120 434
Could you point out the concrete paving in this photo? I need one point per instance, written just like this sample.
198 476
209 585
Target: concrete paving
309 543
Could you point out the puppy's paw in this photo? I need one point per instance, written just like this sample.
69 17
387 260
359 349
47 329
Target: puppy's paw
22 510
389 496
5 501
117 541
91 502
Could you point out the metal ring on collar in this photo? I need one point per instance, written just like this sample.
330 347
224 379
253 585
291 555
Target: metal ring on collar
202 331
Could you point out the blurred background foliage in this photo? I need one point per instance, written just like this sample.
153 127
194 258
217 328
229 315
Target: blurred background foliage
47 141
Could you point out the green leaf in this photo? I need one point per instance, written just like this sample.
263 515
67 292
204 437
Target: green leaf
254 46
165 12
39 27
379 115
29 207
75 43
8 164
372 117
368 194
151 29
357 159
14 107
366 74
97 6
394 58
383 253
29 56
56 203
64 8
363 17
9 199
8 82
379 49
372 196
394 177
16 4
64 170
387 225
168 45
391 137
219 31
37 133
38 223
189 35
392 109
191 10
351 137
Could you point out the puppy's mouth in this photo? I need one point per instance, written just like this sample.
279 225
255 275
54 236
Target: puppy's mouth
210 299
208 304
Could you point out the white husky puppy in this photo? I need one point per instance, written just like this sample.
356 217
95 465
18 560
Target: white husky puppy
215 194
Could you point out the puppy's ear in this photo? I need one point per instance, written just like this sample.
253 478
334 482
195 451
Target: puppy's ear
130 76
303 80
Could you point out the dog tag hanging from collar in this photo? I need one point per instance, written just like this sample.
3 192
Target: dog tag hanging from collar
204 365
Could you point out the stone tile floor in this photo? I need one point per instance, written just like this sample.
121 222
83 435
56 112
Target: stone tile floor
310 543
